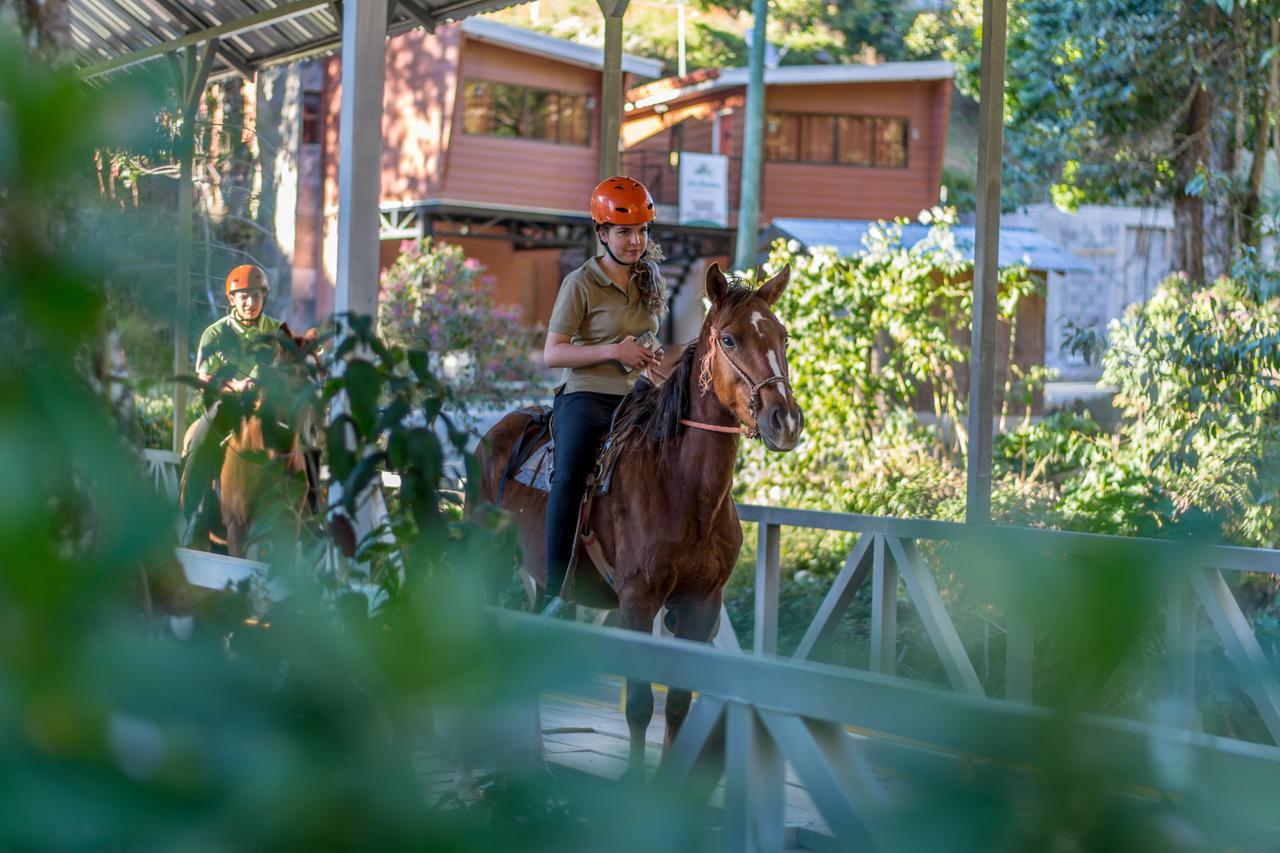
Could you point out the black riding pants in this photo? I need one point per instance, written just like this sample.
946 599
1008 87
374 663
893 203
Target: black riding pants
579 423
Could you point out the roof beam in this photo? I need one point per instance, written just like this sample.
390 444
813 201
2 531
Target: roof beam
193 21
420 14
236 60
265 18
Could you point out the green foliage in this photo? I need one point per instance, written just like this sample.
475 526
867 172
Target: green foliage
1197 371
436 299
871 335
293 727
804 31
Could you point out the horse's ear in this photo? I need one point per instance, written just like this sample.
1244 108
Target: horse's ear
286 331
717 284
772 289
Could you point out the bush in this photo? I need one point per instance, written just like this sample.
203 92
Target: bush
435 298
155 416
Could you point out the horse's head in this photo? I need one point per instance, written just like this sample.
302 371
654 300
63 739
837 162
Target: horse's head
745 358
286 391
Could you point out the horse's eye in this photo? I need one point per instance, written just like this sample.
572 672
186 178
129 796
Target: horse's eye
727 341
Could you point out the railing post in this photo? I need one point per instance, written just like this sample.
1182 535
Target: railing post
768 567
1180 642
753 784
884 611
1020 643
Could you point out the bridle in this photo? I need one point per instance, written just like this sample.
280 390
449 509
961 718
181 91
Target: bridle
753 407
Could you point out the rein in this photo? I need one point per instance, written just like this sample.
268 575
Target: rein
738 430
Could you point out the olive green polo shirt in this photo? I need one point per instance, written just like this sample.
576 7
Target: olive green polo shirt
228 341
592 310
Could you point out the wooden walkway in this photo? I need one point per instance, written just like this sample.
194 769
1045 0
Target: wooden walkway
586 732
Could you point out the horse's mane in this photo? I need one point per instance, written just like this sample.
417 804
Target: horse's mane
655 411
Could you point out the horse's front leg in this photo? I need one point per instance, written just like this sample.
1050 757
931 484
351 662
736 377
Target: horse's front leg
237 535
638 616
695 620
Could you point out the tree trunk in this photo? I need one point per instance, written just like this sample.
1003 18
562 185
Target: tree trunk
1251 209
278 119
236 180
1188 210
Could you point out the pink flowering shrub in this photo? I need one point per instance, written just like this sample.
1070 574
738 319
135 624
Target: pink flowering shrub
435 298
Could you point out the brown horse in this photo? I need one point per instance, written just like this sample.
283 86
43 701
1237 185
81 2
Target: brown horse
668 524
263 467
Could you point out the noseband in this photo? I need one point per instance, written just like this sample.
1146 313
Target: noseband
752 431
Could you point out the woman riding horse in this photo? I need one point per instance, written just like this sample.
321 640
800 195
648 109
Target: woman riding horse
667 530
601 310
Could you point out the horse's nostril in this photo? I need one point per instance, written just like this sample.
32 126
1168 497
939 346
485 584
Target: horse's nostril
776 419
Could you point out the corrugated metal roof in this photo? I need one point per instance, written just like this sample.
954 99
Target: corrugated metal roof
563 50
1017 245
807 75
111 34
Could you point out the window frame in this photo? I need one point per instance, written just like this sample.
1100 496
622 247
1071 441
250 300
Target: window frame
560 122
802 123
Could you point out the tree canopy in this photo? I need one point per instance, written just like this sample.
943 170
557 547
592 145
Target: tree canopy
1137 101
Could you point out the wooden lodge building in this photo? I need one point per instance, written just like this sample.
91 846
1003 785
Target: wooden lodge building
491 141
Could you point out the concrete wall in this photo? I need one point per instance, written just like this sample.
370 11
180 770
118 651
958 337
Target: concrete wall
1131 251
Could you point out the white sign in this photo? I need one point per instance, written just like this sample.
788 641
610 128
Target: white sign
704 189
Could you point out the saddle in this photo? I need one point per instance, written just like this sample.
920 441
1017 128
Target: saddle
532 463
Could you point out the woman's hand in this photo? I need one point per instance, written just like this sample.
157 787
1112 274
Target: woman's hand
631 355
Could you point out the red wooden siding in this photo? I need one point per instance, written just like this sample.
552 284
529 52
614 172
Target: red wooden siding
857 192
523 172
811 190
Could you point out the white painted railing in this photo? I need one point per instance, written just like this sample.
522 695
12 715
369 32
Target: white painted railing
886 552
162 468
756 715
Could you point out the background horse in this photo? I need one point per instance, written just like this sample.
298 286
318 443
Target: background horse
668 525
263 466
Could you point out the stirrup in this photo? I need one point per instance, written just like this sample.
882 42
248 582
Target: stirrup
557 608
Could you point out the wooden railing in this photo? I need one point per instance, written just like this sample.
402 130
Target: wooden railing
759 715
886 551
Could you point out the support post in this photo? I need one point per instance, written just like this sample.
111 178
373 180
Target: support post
753 783
364 52
768 568
191 84
611 95
752 144
1180 644
884 611
1020 643
986 281
182 316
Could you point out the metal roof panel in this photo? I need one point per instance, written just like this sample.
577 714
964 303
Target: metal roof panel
1017 245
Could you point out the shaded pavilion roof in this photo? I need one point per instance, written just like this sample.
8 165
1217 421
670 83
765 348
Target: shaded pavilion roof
111 34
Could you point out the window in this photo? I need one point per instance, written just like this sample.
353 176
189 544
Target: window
855 141
818 139
519 112
848 140
311 123
891 142
781 132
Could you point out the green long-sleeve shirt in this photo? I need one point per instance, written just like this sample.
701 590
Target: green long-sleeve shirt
228 341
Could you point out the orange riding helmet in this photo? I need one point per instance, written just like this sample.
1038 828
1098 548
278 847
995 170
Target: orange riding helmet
245 277
621 201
